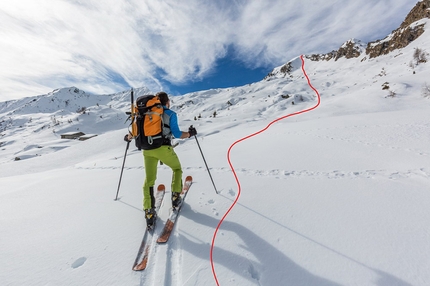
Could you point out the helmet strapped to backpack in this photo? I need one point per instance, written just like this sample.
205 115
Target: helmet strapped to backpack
149 122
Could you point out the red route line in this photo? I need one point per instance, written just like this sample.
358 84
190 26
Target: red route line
234 172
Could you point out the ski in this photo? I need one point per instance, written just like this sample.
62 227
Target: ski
170 223
142 256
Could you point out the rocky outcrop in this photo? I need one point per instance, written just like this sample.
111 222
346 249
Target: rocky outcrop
404 35
398 39
420 11
350 49
322 57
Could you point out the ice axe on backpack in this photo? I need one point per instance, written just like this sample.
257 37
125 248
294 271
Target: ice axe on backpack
193 132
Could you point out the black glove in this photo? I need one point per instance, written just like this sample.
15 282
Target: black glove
126 138
192 131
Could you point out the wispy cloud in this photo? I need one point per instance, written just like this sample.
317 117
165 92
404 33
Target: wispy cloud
106 46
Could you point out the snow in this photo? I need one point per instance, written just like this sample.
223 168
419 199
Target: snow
336 196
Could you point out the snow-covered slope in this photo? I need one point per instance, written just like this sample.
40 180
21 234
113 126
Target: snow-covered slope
336 196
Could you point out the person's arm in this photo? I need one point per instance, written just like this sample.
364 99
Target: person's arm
177 133
185 135
174 127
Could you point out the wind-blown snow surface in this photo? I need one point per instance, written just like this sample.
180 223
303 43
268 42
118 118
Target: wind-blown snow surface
337 196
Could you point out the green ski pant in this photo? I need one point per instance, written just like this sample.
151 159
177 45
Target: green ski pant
167 155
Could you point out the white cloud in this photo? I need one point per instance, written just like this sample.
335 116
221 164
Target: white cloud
56 43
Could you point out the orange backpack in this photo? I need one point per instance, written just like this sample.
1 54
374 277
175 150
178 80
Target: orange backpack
147 127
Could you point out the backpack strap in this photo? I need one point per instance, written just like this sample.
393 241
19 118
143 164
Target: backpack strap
152 138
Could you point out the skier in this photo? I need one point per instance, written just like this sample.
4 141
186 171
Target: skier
166 155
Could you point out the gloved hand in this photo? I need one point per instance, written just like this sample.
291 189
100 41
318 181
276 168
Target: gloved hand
192 131
127 138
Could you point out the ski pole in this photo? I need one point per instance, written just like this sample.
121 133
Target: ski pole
131 117
206 164
122 169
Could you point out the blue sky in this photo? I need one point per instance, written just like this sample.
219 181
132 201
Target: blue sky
177 46
228 72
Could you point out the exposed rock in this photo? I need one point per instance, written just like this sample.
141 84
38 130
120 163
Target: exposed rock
286 68
399 38
404 35
351 49
420 11
322 57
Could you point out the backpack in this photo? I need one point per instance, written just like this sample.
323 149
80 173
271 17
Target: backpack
148 129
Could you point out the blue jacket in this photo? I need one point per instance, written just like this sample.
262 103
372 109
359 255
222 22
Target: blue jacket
171 120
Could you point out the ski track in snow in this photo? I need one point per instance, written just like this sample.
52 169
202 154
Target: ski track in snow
303 174
165 259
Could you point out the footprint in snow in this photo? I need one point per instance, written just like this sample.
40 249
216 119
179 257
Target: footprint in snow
253 272
79 262
231 193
